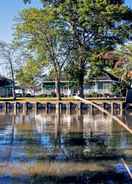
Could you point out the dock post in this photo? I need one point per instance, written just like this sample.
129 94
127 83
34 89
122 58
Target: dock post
68 109
15 107
1 106
121 109
112 108
6 107
80 107
36 107
58 107
47 107
91 109
25 108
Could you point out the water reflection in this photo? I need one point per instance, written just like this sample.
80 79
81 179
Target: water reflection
58 147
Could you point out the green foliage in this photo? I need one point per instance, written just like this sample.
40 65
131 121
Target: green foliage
41 31
89 27
61 1
96 27
27 75
119 89
125 52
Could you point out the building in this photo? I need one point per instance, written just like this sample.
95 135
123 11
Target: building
5 87
69 88
99 87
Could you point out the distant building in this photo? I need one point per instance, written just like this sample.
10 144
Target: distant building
5 87
100 86
66 87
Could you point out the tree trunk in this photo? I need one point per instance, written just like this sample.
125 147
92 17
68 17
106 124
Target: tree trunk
81 78
13 91
13 79
81 85
58 91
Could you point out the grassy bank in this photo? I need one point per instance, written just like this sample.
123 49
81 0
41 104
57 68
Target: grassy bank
50 99
36 99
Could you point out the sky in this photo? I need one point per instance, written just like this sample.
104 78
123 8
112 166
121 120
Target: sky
9 10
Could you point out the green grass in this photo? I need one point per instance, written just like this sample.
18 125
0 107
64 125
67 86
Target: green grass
36 99
40 99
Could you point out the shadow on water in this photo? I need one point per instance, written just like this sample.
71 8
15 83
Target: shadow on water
60 147
84 178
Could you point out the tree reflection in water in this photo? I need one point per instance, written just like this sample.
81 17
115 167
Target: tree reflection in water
58 147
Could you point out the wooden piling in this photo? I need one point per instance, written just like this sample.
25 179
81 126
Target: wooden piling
69 108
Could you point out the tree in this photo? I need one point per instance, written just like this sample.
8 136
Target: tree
47 36
7 53
61 1
125 52
10 56
27 75
96 26
117 64
121 62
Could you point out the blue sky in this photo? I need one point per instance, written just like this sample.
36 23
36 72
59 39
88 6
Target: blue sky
9 9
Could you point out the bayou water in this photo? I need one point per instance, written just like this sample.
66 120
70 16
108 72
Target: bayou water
64 148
